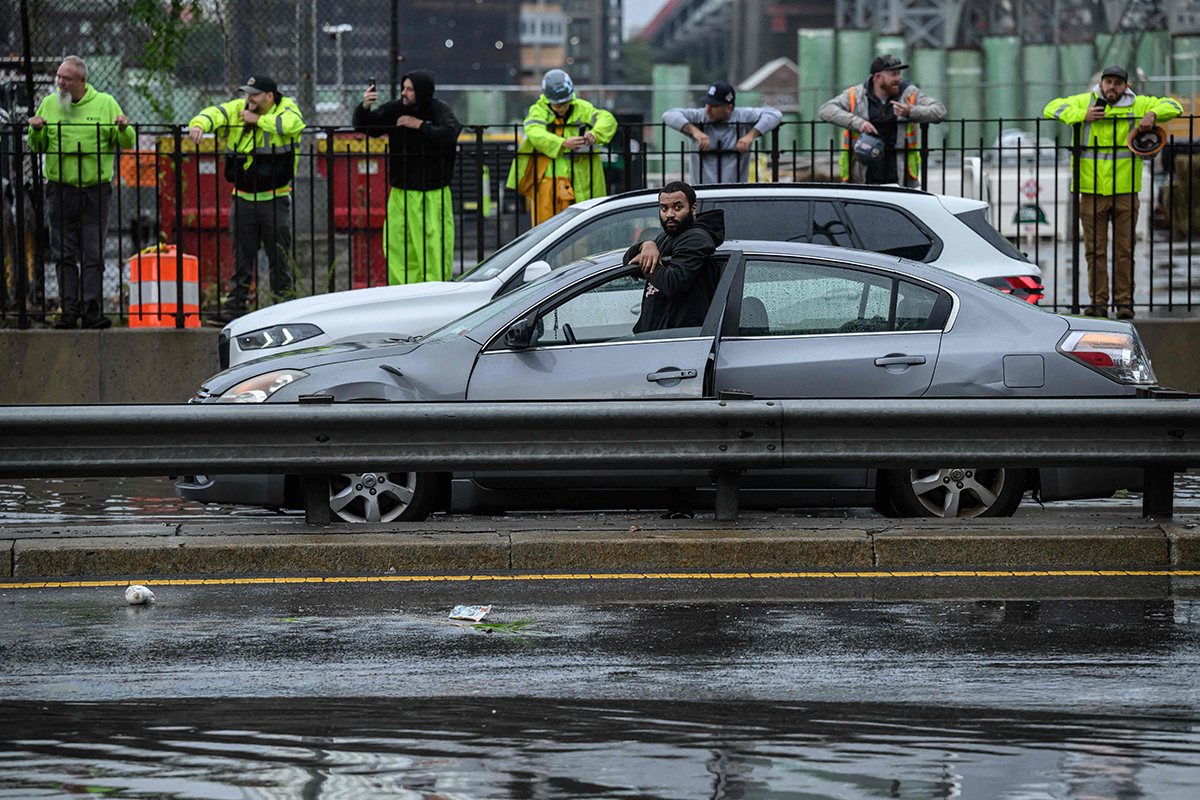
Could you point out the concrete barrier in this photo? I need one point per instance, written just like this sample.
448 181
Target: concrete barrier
166 365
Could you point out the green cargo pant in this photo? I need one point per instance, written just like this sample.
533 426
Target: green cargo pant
418 236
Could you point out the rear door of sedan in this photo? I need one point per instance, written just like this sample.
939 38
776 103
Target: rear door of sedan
802 327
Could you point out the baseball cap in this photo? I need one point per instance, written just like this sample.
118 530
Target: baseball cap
885 62
259 83
719 94
1115 72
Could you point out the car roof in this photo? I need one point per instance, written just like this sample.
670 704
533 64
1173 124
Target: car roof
775 189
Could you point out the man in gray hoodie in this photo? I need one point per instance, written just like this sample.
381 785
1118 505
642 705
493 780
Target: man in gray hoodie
723 134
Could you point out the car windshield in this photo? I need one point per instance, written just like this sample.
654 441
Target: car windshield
464 325
503 258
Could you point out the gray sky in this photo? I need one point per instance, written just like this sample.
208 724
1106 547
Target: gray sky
638 12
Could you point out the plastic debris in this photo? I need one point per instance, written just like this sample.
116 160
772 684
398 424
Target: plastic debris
138 595
473 613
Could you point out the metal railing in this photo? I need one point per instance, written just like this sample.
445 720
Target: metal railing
1159 434
168 190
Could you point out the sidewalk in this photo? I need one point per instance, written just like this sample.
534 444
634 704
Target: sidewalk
599 543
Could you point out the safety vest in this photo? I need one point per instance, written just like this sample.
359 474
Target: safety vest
262 158
913 161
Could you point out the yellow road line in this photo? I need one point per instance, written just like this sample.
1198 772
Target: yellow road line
601 576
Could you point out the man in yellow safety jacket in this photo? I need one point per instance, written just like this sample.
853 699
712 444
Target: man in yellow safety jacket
891 109
557 163
262 139
1110 177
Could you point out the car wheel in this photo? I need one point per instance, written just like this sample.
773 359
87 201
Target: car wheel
955 492
381 496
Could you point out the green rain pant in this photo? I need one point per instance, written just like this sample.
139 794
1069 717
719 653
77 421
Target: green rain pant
418 236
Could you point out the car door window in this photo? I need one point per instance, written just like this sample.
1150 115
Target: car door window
611 232
787 298
600 314
768 220
915 306
828 227
888 230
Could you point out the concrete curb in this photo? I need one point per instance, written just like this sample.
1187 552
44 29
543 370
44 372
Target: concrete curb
723 551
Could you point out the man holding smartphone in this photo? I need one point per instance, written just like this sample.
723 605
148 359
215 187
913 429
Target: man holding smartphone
1110 177
422 136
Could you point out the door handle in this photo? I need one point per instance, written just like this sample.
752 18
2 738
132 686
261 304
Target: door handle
899 360
671 375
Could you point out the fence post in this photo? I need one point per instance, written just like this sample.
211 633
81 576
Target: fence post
1076 156
925 157
480 219
21 263
330 226
177 139
775 155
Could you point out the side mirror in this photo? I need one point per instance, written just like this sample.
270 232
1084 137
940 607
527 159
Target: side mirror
519 335
538 269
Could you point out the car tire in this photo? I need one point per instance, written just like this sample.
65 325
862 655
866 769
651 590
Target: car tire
954 492
382 496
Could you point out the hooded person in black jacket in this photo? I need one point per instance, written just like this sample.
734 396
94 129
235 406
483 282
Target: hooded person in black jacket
677 295
422 137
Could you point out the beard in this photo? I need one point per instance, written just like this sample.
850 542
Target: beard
64 100
679 225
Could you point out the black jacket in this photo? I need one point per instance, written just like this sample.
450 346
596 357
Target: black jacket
420 159
678 294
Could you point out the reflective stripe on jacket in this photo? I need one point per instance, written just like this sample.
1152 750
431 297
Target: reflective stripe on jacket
1107 166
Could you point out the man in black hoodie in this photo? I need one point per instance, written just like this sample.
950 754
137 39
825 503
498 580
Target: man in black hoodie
422 138
677 295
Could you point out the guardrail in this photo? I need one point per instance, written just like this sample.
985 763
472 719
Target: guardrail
1160 435
173 191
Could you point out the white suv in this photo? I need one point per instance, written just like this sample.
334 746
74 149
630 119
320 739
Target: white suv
948 232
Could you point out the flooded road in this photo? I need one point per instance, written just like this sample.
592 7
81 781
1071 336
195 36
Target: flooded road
352 691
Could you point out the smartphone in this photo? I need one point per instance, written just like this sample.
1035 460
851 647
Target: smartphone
371 83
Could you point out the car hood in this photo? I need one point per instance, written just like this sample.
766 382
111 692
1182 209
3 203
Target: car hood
356 301
306 358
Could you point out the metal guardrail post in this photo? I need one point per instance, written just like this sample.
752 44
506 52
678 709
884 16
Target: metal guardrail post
1158 492
729 481
316 487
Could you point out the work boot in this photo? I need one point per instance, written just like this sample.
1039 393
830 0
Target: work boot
1125 312
224 317
96 322
67 322
1096 311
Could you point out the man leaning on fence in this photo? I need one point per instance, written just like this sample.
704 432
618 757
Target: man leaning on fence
557 163
890 109
79 129
1110 177
262 141
723 134
422 141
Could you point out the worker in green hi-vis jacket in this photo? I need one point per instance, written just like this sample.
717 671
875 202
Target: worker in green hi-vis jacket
79 130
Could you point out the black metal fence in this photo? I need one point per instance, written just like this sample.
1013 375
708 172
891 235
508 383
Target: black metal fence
169 191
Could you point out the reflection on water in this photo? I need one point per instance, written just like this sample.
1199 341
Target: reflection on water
120 499
456 748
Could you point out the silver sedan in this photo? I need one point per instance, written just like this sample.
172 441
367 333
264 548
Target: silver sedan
786 321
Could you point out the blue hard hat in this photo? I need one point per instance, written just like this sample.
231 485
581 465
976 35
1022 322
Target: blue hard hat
558 87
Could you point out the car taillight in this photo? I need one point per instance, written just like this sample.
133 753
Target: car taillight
1120 356
1023 287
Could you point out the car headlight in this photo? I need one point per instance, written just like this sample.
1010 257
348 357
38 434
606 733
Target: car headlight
1120 356
277 336
260 387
